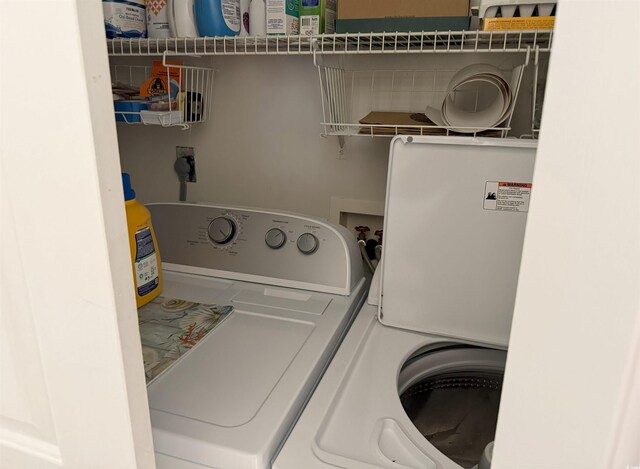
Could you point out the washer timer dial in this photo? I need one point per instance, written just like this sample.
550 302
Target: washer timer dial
221 230
308 243
275 238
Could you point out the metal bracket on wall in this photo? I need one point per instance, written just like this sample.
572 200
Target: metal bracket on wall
341 143
185 168
318 63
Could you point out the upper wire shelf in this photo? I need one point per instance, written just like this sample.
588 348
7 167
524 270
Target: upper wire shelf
356 43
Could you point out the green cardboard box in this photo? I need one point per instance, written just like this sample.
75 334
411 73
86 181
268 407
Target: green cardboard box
317 17
364 16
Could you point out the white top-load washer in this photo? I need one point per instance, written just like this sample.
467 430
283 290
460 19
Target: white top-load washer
416 382
295 283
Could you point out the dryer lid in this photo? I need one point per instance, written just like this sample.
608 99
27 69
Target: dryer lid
455 217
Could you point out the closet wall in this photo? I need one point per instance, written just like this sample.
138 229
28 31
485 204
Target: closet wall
262 146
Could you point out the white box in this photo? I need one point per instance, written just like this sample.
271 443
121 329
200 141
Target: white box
282 17
164 118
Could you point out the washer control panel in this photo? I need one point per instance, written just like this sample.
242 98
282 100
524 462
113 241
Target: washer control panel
261 246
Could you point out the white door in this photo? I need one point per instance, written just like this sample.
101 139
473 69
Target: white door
571 396
72 390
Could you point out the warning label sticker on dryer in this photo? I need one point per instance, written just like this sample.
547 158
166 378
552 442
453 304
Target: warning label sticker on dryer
507 196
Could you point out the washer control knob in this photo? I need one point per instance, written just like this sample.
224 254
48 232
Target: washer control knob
221 230
275 238
308 243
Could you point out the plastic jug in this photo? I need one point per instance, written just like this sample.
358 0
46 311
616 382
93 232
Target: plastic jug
158 20
124 18
182 20
145 257
218 17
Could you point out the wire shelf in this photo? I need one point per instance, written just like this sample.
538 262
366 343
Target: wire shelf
388 130
356 43
187 101
385 103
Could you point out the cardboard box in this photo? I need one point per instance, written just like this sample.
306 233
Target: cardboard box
282 17
404 123
317 17
525 23
362 16
163 80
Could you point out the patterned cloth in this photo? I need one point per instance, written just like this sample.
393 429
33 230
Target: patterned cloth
169 328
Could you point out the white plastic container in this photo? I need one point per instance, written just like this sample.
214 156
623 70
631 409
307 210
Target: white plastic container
244 18
157 19
282 17
182 20
164 118
124 18
257 18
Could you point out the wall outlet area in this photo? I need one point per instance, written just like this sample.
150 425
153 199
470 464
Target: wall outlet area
351 220
354 212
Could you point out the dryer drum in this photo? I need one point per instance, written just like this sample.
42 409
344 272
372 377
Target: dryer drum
455 405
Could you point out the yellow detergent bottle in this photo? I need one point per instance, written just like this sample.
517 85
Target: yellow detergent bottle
145 257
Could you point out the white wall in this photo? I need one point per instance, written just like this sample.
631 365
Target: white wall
263 146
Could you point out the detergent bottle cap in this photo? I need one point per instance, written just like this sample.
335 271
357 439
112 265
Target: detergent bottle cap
129 193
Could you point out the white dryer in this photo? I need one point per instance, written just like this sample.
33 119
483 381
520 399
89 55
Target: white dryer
416 382
295 284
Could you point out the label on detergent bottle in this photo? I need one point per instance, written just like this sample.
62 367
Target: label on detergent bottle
146 263
231 13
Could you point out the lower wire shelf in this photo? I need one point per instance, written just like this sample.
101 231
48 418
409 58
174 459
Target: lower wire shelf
388 130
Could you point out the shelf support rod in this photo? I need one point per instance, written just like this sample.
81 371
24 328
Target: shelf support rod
535 90
317 63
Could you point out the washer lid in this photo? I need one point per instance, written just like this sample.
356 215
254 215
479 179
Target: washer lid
454 226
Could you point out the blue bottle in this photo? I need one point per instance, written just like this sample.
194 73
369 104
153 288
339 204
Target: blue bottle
218 17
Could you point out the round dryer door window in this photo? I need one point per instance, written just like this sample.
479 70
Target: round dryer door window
452 396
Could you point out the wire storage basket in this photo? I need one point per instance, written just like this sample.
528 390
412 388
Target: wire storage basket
167 93
437 101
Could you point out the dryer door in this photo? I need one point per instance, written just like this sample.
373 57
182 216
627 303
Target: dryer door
454 226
